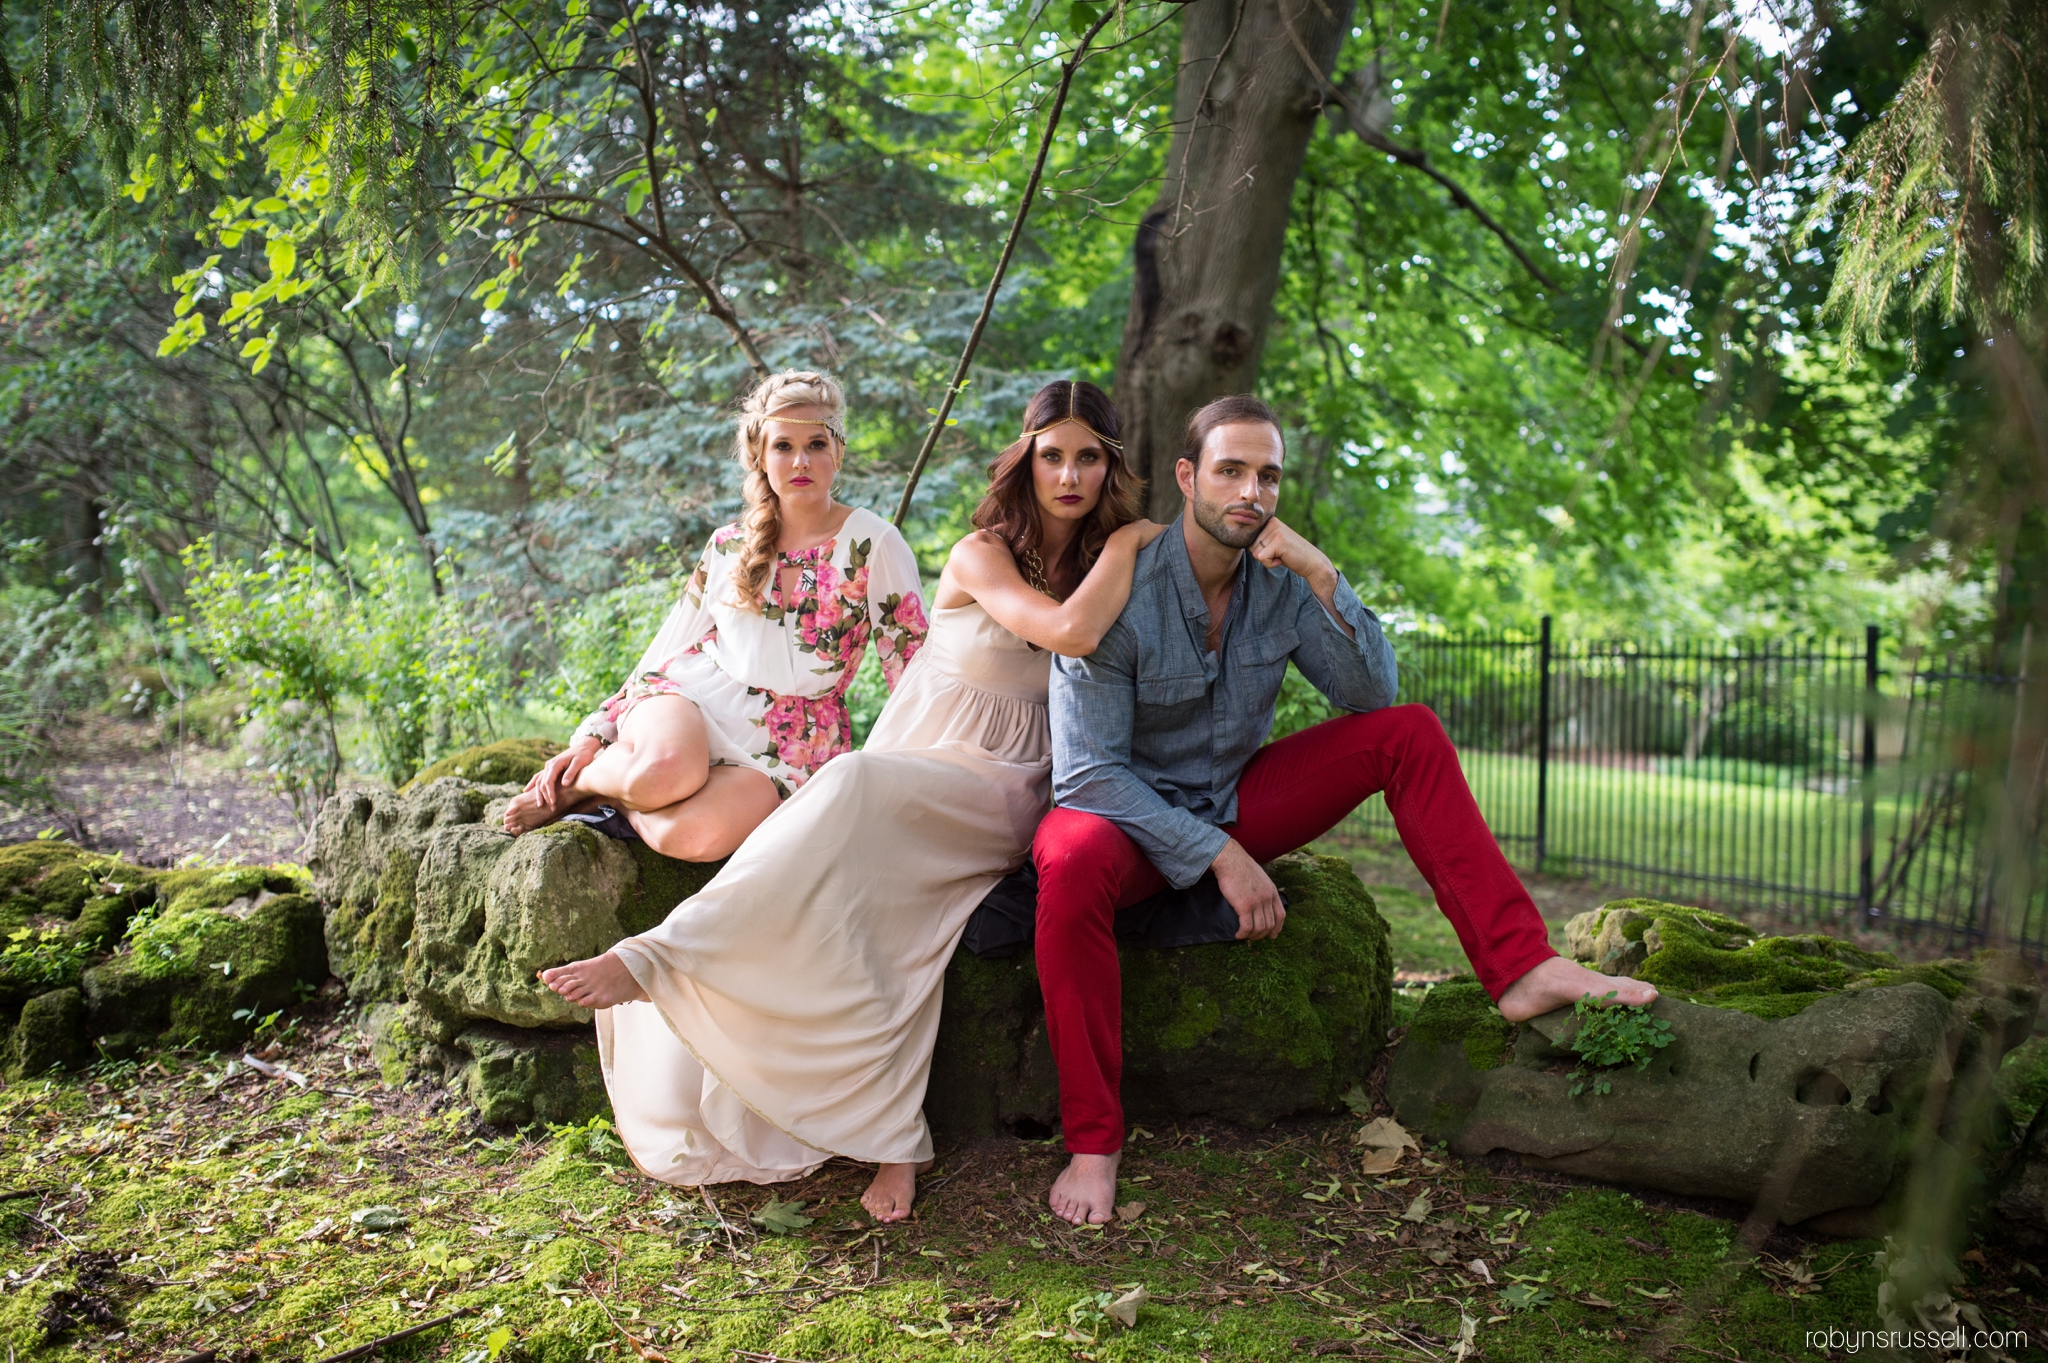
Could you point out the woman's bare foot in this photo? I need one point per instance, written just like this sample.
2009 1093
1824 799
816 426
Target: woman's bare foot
600 982
889 1197
1560 983
526 813
1085 1191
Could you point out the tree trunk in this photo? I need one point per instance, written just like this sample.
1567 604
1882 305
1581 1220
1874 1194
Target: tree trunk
1207 255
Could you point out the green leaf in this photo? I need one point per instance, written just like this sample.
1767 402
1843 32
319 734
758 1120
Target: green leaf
284 254
382 1217
497 1339
781 1218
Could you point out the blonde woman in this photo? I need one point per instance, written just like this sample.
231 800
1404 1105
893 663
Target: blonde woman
741 696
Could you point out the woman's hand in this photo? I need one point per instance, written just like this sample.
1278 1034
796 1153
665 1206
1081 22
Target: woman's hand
1138 534
564 767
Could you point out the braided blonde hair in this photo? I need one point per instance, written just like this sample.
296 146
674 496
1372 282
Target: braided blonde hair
761 521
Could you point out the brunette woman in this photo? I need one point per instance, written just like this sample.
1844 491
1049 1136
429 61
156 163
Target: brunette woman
786 1013
741 696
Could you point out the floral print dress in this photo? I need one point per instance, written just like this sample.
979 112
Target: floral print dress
772 683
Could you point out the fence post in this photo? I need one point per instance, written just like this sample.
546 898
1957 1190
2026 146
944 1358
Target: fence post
1866 887
1543 745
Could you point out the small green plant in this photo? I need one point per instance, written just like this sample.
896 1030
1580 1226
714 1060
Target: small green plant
46 957
1611 1035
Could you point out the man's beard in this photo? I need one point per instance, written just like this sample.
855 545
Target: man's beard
1212 517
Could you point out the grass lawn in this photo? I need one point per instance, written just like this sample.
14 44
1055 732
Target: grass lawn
1674 832
180 1207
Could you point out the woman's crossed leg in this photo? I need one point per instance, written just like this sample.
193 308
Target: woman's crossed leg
659 774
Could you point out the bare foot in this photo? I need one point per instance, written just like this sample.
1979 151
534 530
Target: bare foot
527 813
1560 983
600 982
1085 1191
889 1197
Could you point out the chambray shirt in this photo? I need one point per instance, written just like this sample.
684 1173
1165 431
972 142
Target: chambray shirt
1151 731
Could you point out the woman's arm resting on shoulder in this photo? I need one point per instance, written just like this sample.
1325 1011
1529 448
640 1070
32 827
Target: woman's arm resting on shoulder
981 566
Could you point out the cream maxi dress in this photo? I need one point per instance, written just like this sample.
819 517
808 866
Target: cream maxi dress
795 999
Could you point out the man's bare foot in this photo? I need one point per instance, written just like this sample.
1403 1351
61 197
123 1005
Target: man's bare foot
1560 983
1085 1191
600 982
527 813
889 1197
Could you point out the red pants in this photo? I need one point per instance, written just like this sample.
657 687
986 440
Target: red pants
1292 793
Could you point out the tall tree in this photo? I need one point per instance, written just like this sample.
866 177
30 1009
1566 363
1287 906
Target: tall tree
1207 255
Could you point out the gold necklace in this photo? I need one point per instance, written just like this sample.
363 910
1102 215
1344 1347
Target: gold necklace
1034 573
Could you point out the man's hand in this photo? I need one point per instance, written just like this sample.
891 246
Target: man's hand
1250 891
563 768
1279 547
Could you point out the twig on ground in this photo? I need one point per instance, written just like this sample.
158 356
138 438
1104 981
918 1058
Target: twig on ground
13 1193
362 1350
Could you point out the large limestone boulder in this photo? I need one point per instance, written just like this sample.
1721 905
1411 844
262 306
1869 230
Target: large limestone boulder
509 761
1798 1082
104 952
1249 1032
437 922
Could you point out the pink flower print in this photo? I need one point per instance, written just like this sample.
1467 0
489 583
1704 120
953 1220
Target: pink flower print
909 614
855 591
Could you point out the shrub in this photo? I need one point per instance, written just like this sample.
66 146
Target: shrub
304 643
598 640
49 670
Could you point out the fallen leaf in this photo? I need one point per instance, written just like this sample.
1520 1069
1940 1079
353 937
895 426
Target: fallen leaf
1130 1212
1387 1134
1440 1257
378 1218
1358 1100
1595 1301
1379 1161
1975 1256
317 1229
1478 1267
1468 1337
1419 1209
1124 1310
781 1218
1661 1294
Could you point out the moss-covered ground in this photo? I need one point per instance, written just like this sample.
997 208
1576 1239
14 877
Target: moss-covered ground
185 1204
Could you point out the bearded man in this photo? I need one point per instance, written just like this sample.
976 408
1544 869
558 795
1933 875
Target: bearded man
1160 777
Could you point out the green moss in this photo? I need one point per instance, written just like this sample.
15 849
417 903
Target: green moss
1460 1012
1712 959
190 971
664 883
509 761
50 879
49 1034
216 887
2023 1078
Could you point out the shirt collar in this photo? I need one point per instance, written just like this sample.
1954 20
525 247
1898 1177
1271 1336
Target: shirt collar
1193 604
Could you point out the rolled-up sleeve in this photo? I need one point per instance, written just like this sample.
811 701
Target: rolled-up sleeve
1356 674
1092 704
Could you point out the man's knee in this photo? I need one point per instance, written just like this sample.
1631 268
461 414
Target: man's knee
1415 727
1076 854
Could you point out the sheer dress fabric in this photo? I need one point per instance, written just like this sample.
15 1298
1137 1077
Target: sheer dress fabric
795 999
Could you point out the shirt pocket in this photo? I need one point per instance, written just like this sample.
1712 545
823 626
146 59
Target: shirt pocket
1272 648
1170 702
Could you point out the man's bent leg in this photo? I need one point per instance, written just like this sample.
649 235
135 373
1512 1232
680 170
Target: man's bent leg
1087 869
1299 788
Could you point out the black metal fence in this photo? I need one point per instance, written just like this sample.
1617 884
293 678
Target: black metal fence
1823 780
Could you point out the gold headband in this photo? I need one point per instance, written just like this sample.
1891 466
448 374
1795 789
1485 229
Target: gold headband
831 426
1072 415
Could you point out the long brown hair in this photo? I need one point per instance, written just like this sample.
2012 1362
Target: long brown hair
1010 509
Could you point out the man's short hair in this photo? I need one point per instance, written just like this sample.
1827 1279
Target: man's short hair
1224 411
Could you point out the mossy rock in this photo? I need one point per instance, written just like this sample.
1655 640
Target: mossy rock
509 761
1802 1100
429 901
204 975
141 947
1710 958
50 1034
1248 1032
